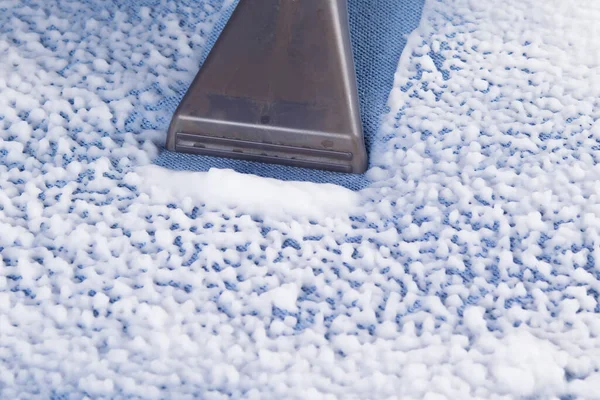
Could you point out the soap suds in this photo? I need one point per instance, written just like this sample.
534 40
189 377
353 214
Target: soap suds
469 268
246 193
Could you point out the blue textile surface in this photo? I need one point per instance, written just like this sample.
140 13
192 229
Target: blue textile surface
468 268
379 31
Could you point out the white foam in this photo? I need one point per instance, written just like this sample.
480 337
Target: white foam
247 193
469 269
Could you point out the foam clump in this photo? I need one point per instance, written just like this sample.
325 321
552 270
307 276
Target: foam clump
468 269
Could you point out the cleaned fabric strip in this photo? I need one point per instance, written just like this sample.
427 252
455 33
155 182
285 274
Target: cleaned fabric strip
379 32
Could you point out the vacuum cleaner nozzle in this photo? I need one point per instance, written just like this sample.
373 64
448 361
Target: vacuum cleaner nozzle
279 86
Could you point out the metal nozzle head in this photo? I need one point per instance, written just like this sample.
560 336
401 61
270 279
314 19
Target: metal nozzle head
279 86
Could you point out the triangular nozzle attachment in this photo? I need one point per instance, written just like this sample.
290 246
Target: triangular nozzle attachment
279 86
